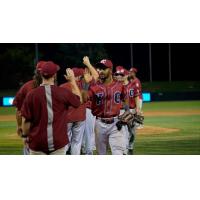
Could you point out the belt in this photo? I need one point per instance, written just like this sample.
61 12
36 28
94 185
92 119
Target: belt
107 120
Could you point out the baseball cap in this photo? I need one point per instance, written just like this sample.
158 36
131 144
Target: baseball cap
39 65
133 70
105 63
120 70
49 68
78 71
126 72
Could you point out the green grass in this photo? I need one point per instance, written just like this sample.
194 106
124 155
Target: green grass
186 141
10 144
7 110
172 105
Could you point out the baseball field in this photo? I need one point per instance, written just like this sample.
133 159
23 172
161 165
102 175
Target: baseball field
171 128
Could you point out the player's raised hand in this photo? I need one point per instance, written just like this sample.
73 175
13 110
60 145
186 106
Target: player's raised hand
86 60
69 75
87 76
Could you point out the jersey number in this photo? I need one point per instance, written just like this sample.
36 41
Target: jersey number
131 93
117 97
99 98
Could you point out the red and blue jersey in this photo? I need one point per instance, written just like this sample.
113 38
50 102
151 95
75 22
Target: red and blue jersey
106 99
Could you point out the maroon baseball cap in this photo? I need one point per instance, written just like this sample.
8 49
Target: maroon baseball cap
78 71
39 65
49 68
105 63
133 70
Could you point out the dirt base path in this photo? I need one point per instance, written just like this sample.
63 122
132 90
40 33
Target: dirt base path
7 118
154 130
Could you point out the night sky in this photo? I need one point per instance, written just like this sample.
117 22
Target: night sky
185 60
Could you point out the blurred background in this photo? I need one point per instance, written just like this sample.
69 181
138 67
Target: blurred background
163 68
155 62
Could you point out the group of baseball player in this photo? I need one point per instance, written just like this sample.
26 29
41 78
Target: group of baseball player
82 115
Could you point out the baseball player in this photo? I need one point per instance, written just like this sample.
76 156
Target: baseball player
75 117
88 144
106 96
134 106
44 112
132 77
133 94
19 99
91 76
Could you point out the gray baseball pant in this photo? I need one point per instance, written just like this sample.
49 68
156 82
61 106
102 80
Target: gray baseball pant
108 134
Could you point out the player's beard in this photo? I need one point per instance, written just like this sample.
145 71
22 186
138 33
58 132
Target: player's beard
104 76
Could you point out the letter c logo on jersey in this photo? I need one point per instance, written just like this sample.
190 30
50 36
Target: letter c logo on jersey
117 97
99 98
131 92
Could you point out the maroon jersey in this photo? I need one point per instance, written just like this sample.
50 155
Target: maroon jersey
138 85
106 99
132 91
21 94
46 108
75 114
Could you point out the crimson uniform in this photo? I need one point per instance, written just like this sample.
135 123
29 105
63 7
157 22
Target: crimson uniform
132 92
21 94
105 105
18 102
76 122
138 85
46 108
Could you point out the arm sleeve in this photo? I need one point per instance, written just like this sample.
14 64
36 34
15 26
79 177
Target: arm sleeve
27 107
19 98
136 90
72 99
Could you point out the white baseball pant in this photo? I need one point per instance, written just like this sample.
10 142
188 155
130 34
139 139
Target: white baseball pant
108 134
75 135
131 134
89 134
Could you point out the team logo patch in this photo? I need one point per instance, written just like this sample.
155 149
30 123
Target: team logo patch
99 98
117 97
131 92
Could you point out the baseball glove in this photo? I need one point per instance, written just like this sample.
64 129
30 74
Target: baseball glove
128 118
